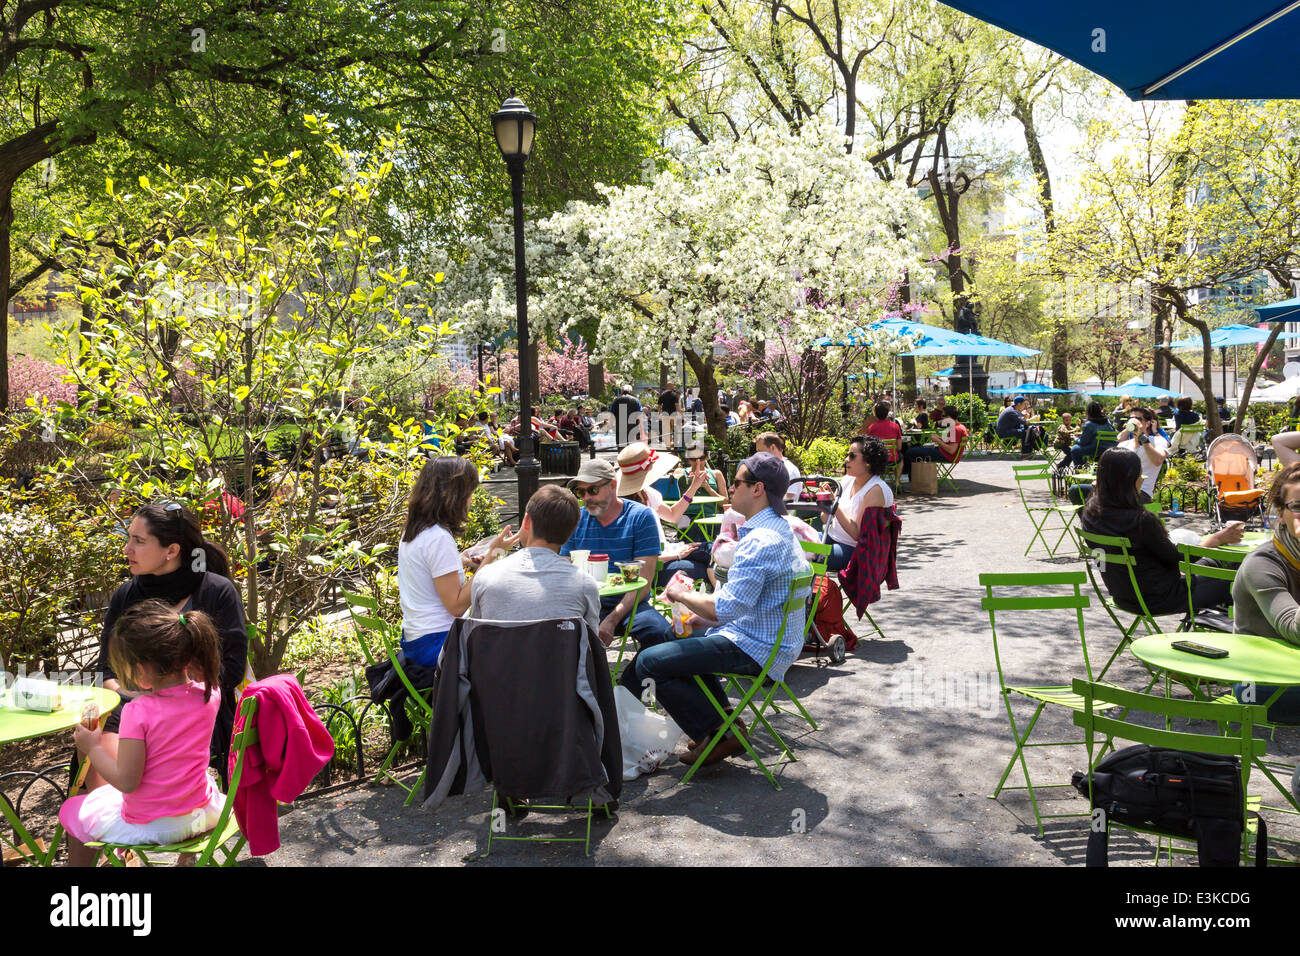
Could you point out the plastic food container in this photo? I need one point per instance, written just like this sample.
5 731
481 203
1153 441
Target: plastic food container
598 567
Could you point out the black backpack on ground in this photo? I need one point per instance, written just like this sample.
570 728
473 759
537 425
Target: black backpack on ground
1178 793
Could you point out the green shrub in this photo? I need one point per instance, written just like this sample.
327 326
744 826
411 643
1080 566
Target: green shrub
824 456
973 413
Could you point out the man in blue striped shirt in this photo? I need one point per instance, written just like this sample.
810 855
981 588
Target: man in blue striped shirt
749 609
626 531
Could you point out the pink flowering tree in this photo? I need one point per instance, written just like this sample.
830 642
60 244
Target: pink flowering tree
36 378
561 371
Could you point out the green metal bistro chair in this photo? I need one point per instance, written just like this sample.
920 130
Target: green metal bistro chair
1097 697
1099 551
205 847
1188 438
419 707
944 469
1056 694
749 687
823 550
497 823
1213 619
894 447
1043 512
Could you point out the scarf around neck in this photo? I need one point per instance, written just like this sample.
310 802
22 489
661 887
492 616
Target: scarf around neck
171 587
1287 544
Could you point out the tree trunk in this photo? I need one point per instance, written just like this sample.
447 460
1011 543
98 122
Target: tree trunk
1023 110
1255 366
6 222
1162 327
907 367
703 369
760 385
595 378
1205 380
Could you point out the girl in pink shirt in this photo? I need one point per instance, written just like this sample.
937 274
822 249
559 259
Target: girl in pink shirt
158 788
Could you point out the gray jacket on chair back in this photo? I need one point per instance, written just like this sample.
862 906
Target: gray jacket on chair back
526 707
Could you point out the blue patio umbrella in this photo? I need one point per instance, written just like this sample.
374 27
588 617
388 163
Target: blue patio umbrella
1032 388
1231 335
1287 310
1155 50
1137 390
945 372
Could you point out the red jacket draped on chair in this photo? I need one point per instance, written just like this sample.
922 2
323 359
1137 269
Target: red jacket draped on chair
875 558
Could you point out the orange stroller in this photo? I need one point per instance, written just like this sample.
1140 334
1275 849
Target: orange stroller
1230 465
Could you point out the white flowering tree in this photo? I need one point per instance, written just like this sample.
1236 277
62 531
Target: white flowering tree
738 244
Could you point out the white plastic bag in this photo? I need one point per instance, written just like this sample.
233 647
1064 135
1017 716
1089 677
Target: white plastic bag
648 738
1184 536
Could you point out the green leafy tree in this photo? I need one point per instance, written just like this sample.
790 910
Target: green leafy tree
94 89
222 343
1189 203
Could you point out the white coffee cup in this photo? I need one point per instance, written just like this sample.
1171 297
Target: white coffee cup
579 559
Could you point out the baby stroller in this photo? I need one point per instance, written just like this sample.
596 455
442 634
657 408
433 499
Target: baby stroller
816 643
1230 464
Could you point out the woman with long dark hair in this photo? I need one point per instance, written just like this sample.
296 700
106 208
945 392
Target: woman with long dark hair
430 569
172 562
1087 445
1115 510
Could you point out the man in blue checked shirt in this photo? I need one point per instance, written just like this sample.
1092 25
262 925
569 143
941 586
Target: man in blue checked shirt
749 609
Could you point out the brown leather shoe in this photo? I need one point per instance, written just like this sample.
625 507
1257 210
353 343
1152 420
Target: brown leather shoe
694 749
728 746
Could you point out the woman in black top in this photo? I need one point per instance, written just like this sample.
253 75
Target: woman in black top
170 560
1114 510
1185 415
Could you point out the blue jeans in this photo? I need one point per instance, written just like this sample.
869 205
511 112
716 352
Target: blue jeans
839 557
695 566
672 667
919 453
648 630
1284 710
424 650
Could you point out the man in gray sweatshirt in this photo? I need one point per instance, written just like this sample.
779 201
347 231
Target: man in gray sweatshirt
535 583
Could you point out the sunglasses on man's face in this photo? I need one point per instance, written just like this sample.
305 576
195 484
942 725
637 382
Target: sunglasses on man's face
584 492
1293 507
743 481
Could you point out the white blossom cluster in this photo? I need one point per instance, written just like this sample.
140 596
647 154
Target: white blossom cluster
18 531
728 248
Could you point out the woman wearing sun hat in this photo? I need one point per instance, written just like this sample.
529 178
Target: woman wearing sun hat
639 467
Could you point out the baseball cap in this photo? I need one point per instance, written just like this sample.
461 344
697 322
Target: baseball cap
1018 399
768 469
594 471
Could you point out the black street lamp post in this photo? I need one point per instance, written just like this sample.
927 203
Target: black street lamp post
514 126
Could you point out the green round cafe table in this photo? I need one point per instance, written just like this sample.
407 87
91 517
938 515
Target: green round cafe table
1261 660
608 589
17 724
1266 661
1250 541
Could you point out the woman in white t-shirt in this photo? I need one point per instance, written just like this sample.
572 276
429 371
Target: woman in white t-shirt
1142 435
861 488
430 569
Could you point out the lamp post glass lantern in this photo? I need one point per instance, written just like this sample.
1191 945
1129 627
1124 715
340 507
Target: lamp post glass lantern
514 126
